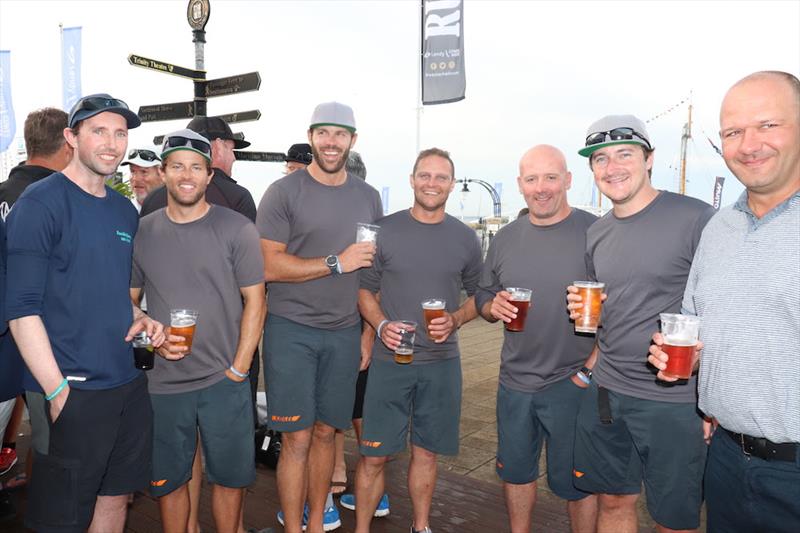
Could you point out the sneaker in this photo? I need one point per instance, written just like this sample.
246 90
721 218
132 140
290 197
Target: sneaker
330 519
8 458
425 530
348 501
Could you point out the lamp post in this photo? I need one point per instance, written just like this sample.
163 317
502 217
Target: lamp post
492 192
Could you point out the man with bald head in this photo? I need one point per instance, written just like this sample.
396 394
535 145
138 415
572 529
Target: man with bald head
541 384
743 286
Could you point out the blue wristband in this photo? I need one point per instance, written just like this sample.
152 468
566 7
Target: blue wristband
58 390
237 373
581 376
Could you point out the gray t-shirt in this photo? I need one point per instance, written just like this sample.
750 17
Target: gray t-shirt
415 262
316 220
644 260
545 259
199 265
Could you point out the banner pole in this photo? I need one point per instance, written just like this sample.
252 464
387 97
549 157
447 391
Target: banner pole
419 73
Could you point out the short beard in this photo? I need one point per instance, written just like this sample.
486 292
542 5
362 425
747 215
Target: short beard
186 203
335 169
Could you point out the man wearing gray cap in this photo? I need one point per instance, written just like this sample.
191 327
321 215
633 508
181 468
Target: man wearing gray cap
69 254
203 257
307 222
631 428
145 174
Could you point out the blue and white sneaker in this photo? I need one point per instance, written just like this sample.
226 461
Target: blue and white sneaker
348 501
330 520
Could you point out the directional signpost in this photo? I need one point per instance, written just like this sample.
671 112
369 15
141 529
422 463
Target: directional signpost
197 14
241 83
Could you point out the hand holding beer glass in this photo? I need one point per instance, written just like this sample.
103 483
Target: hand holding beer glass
142 351
511 306
361 253
584 303
182 324
676 349
399 336
432 309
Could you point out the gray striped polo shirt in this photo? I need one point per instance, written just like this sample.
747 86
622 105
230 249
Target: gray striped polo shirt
744 284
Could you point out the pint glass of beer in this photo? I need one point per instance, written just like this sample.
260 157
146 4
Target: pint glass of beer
404 353
680 334
142 351
432 308
183 322
589 292
521 299
367 232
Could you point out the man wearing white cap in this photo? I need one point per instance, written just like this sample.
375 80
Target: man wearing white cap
145 174
631 428
307 222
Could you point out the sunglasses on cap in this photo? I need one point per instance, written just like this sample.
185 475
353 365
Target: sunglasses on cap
99 102
302 157
617 134
144 155
181 142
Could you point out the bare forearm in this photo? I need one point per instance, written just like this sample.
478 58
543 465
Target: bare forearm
250 329
370 308
592 359
486 312
466 312
34 345
287 268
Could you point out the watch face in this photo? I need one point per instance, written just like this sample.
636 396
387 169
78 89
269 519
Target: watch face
331 261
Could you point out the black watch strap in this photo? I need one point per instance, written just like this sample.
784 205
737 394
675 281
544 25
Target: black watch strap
586 371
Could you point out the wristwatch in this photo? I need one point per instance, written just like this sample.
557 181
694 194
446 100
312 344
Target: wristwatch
332 262
586 371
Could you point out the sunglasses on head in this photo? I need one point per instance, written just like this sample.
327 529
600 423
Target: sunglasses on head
302 157
100 102
617 134
146 155
180 142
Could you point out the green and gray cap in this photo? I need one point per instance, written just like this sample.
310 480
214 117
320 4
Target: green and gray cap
186 139
333 114
615 129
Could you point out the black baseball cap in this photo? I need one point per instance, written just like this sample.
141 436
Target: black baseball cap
300 153
94 104
215 128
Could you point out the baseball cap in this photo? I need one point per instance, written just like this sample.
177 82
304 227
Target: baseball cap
333 114
143 157
94 104
186 140
615 129
300 153
215 128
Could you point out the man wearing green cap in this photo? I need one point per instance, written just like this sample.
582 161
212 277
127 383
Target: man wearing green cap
632 429
200 256
307 222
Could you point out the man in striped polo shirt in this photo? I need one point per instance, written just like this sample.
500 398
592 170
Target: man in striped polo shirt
743 285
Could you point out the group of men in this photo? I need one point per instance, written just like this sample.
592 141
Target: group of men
80 262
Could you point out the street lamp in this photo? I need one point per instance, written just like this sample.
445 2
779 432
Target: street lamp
492 192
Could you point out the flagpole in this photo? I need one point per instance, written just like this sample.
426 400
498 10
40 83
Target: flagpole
419 73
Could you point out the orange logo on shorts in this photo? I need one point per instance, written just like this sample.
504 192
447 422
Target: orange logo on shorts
371 443
578 474
159 483
499 464
294 418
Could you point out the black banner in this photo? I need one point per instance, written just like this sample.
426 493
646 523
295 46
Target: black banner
443 77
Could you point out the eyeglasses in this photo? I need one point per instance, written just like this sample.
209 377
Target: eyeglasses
146 155
301 157
617 134
180 142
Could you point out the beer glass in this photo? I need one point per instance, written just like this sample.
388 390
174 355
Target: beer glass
590 292
521 299
142 351
680 334
404 353
183 322
367 232
432 308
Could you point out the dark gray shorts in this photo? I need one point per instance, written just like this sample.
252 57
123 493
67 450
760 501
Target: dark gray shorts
658 443
223 413
524 421
311 374
100 444
426 395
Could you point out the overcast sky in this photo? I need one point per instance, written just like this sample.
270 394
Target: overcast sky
537 72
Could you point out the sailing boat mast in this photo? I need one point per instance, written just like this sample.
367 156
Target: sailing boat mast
687 134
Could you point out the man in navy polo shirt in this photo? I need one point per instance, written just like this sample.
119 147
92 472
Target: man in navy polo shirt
69 253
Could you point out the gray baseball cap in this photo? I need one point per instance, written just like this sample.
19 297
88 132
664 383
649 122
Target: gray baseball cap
333 114
615 129
186 139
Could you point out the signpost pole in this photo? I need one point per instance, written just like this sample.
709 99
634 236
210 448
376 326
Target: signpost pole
197 14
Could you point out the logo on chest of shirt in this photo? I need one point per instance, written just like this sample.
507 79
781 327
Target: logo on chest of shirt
124 236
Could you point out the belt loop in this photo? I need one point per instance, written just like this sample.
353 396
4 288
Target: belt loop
744 448
603 406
